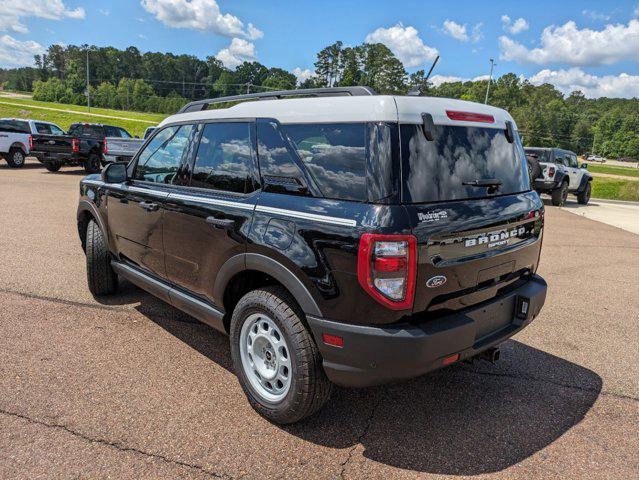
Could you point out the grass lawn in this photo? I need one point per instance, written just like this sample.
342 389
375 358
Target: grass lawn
134 122
611 189
613 170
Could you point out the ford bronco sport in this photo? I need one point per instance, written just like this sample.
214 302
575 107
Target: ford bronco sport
338 236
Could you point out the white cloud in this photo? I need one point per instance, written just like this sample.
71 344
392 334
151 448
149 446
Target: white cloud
15 53
437 80
238 52
202 15
592 86
636 12
13 11
405 43
456 30
568 44
515 27
105 12
460 32
595 15
302 75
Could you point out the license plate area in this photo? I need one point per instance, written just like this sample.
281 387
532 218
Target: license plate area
493 317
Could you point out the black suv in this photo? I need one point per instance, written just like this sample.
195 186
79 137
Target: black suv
352 238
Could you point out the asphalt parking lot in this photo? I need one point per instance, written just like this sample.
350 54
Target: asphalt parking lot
133 388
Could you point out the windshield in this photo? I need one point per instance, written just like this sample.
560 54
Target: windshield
445 168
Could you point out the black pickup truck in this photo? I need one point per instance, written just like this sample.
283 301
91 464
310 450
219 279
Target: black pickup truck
82 145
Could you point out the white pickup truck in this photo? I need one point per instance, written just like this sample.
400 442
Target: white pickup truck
15 138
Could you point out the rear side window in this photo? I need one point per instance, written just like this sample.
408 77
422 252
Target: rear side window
277 161
162 157
334 156
111 132
224 158
14 126
43 128
538 154
436 171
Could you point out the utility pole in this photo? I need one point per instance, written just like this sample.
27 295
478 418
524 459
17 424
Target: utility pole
88 89
490 78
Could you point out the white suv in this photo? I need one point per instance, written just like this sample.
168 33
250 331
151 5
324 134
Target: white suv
560 174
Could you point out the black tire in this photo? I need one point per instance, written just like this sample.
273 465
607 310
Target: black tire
52 166
92 164
16 158
583 197
309 389
101 278
560 194
534 169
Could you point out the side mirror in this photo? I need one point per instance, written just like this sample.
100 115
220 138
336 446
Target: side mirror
114 173
584 165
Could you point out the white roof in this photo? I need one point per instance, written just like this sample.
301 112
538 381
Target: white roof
340 109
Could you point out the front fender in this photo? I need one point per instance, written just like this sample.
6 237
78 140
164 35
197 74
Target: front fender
85 206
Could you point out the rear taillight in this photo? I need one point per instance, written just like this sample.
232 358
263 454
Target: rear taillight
387 268
104 147
75 145
551 171
30 142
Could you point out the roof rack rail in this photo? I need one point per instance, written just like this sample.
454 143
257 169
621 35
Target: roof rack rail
278 94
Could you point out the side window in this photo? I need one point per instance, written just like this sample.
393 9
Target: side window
55 130
224 160
111 132
43 128
160 161
334 155
124 133
276 158
74 130
573 161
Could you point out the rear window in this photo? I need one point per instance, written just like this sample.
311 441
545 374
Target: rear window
93 131
538 154
436 171
14 126
334 156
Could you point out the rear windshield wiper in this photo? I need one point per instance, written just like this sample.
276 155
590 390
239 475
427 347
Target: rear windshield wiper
486 182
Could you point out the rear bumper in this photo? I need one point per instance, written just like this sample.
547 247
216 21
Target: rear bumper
375 355
544 184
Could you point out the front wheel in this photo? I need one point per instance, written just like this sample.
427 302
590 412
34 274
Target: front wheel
560 194
275 358
92 164
101 278
584 197
16 158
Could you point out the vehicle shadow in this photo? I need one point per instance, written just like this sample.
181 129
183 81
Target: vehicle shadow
463 420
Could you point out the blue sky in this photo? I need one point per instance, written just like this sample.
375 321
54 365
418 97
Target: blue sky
573 44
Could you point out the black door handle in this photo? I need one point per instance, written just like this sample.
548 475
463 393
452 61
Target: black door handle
150 207
221 222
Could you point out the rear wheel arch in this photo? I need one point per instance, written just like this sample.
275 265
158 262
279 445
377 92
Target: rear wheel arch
245 272
20 146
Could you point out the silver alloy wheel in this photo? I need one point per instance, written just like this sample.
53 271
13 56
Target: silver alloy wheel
265 357
18 158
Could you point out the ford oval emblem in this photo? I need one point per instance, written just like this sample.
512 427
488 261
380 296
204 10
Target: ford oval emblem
435 282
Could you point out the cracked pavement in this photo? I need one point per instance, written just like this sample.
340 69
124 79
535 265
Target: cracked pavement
136 389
